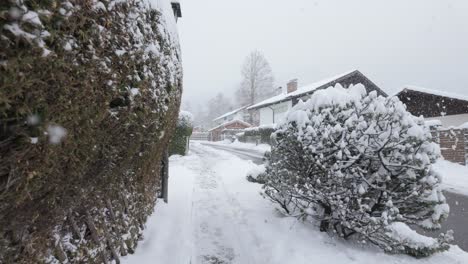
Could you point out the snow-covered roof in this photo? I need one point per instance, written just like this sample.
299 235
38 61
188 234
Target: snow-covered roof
433 122
301 91
430 91
230 113
231 122
464 126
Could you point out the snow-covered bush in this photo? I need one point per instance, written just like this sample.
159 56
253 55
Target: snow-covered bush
89 95
185 119
180 140
257 174
260 134
362 165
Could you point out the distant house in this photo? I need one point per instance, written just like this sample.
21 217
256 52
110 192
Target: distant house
237 114
274 109
176 8
451 109
227 129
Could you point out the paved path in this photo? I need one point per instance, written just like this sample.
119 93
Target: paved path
204 221
457 221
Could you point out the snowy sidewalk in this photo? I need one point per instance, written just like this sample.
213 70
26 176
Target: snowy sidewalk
215 216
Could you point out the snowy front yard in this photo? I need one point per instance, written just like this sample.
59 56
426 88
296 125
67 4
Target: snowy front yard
215 216
454 175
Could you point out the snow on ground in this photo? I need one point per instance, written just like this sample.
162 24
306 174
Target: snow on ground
260 148
215 216
454 176
166 238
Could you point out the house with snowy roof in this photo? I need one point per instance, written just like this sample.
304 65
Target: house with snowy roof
449 108
227 130
275 108
229 123
240 113
448 112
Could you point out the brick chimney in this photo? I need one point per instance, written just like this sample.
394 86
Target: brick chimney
292 86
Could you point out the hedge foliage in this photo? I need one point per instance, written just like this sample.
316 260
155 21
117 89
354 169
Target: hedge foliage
257 134
184 129
89 92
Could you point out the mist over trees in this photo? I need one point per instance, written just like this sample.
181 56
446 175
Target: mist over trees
217 106
257 84
205 113
257 80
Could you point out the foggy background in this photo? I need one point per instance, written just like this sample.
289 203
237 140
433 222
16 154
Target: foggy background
398 42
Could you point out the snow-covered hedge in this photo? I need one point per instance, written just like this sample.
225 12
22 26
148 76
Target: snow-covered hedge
180 140
257 174
89 95
185 119
260 134
362 165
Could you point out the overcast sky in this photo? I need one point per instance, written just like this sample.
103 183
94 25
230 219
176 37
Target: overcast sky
397 42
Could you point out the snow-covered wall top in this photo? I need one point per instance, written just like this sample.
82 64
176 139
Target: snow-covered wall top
449 121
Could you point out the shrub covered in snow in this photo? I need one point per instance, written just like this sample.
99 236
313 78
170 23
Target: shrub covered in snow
89 94
260 134
180 140
362 165
257 174
185 119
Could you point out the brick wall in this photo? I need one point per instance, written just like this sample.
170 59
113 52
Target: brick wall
466 146
453 144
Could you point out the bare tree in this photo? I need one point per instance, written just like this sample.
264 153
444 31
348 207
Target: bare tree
219 105
257 80
215 107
